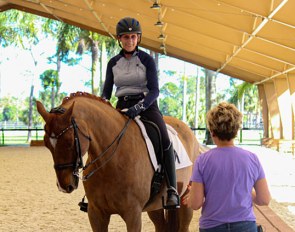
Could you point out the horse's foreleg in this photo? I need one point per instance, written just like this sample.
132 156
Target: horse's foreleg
99 221
158 218
185 216
132 220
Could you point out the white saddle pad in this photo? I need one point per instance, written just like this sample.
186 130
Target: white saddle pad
183 158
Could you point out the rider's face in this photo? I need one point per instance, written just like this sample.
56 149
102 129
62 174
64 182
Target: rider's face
129 41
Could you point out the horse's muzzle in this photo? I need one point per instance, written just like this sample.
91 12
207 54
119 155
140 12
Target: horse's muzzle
70 187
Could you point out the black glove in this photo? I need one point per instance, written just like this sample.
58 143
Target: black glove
135 110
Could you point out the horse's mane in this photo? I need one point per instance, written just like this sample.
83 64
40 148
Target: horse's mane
85 95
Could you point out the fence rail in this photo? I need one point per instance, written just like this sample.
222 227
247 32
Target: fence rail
251 136
20 136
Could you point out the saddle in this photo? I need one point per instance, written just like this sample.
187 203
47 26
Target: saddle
152 137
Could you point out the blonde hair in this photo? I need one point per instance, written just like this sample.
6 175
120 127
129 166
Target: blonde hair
224 121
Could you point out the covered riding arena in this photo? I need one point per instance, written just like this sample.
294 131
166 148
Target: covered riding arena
30 200
249 40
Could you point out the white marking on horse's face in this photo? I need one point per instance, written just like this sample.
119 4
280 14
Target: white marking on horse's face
53 141
60 188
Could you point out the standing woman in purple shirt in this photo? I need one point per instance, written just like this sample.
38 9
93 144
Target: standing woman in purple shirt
227 180
134 74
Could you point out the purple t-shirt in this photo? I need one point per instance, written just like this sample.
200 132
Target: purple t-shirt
228 175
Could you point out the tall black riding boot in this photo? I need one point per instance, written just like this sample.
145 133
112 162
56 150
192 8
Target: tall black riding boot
172 201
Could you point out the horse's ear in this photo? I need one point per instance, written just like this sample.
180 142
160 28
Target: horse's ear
42 111
69 112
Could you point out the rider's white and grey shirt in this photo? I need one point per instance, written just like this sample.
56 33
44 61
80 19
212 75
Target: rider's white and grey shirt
132 76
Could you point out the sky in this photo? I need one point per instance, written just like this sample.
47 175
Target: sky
17 71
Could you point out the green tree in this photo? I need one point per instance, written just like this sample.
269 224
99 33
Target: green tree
191 100
210 83
21 29
172 95
98 46
245 97
9 113
50 81
200 108
17 28
10 108
169 102
36 120
66 37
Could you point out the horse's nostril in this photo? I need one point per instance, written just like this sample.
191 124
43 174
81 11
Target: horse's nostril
70 189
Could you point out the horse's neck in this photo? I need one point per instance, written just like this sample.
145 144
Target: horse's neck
105 124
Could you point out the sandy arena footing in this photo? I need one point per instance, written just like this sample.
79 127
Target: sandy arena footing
30 200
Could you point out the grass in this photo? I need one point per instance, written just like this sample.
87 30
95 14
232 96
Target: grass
16 137
20 137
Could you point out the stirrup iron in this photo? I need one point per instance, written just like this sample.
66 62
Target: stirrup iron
83 205
171 192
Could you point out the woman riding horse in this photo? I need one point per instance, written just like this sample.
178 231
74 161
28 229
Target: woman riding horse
118 172
134 74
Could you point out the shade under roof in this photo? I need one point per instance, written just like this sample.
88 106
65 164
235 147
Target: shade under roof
251 40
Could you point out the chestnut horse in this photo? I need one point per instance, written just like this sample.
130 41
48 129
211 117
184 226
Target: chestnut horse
118 171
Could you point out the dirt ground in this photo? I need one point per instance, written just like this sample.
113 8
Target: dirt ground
30 200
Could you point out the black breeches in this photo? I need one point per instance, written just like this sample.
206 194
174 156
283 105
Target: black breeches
152 114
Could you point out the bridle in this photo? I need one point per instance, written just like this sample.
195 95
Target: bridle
78 164
79 161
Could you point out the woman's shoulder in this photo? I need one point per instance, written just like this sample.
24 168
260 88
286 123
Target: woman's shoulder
246 151
208 153
116 58
246 154
228 150
144 55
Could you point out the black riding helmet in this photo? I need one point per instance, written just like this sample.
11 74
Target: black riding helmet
128 25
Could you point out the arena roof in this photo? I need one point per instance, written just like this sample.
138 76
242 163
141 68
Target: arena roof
251 40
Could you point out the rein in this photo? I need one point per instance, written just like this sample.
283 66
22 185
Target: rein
79 161
118 139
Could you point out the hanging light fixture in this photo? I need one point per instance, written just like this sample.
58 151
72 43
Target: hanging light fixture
159 23
161 37
155 6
